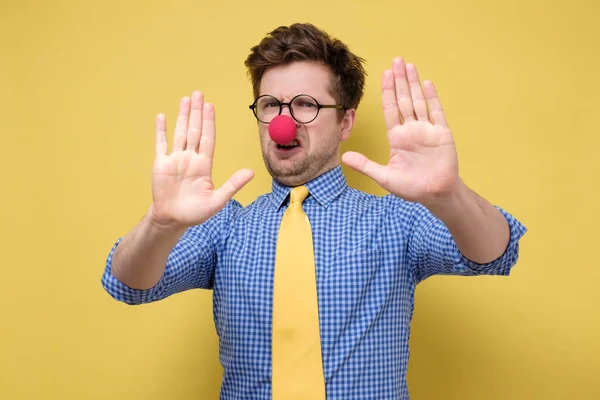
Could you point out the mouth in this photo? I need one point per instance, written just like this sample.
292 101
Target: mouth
294 144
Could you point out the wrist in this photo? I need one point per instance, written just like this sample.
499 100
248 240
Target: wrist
449 204
162 226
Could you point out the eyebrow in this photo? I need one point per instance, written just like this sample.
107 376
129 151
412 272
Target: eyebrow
297 94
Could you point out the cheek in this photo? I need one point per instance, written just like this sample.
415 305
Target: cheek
324 133
263 133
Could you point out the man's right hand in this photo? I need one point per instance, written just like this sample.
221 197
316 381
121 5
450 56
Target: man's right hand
182 188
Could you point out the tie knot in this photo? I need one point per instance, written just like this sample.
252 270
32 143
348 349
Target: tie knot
298 194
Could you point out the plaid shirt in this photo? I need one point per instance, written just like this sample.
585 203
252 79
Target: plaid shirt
370 253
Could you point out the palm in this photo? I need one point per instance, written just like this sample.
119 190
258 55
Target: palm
422 160
182 187
180 183
423 163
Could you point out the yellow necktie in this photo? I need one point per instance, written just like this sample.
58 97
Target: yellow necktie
296 349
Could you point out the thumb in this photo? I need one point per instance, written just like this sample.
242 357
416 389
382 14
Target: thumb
233 185
362 164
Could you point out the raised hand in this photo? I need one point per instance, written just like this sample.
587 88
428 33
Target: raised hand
182 188
423 163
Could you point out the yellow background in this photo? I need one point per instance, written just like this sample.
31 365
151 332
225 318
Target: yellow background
81 83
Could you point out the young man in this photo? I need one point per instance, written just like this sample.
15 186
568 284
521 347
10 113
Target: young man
368 253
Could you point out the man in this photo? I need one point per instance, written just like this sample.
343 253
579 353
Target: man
369 252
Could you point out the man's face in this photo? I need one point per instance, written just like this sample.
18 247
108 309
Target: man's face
319 141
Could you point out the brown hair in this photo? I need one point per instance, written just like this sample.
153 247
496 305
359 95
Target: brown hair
305 42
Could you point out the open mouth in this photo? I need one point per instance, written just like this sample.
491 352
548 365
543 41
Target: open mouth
289 146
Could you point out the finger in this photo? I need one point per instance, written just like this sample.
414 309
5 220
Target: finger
438 117
419 103
403 98
207 140
237 181
161 136
182 123
362 164
388 98
194 130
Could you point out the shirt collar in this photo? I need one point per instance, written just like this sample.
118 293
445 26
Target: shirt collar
324 188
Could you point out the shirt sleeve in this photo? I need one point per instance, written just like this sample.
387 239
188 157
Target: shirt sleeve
190 265
432 249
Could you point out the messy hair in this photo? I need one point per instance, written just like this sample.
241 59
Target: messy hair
305 42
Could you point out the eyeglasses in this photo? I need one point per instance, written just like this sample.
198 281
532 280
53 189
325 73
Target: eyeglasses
303 108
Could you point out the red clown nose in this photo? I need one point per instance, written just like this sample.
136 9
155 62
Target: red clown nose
282 129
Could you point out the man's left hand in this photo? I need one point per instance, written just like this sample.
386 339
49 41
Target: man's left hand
423 165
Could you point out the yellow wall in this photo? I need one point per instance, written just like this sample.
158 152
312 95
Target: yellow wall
81 82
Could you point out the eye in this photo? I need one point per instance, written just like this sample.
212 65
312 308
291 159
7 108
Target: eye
306 103
268 104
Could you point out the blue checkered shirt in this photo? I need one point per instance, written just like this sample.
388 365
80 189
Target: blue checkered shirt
370 253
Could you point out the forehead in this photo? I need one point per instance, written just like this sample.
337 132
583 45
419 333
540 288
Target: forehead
299 77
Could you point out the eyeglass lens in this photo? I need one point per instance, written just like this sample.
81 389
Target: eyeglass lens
303 108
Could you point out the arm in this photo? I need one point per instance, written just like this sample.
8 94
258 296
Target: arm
140 258
188 264
432 248
480 231
452 229
172 243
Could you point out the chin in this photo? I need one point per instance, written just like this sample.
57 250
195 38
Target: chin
297 171
292 181
289 177
289 174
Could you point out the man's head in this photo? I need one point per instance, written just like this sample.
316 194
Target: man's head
302 59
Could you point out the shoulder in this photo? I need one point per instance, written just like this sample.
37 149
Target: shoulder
388 203
234 211
389 209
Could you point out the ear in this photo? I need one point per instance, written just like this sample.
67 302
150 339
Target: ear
347 124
